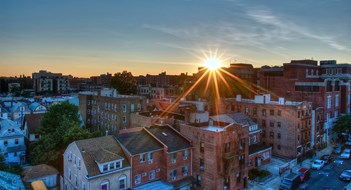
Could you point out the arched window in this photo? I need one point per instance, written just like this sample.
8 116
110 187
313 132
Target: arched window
105 185
122 182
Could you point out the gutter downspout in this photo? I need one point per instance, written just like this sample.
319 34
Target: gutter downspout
131 172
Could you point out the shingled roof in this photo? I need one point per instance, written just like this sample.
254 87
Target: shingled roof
139 142
101 150
33 121
38 171
168 136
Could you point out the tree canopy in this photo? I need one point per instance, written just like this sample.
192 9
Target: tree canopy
60 126
15 169
342 124
124 82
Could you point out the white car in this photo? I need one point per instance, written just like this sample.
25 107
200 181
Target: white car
346 175
345 154
318 164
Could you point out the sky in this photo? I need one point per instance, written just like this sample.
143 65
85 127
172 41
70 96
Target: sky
85 37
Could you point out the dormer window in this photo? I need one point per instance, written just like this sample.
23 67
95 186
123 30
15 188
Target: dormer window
105 167
110 166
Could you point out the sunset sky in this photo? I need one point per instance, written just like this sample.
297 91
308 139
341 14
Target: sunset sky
85 38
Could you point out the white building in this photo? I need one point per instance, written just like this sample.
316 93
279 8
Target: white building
12 145
97 163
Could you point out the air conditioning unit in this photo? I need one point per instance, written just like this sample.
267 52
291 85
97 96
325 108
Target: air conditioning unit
185 157
144 174
150 161
174 178
158 170
185 174
174 161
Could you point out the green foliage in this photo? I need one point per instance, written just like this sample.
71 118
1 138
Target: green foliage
59 127
124 82
342 124
256 173
15 169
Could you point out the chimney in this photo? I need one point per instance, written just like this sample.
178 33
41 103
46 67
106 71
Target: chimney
187 114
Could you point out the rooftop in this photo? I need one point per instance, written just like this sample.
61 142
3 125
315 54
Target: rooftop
139 142
100 149
168 136
33 121
38 171
163 114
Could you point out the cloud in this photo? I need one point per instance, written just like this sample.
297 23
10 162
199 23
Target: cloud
288 28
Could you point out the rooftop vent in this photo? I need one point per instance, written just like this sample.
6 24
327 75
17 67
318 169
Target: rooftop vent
164 134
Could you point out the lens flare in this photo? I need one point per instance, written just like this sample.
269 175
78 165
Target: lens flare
212 64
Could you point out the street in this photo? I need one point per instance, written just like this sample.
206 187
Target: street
328 176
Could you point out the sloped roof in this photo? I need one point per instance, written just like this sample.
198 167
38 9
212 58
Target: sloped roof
242 119
168 136
10 181
100 149
139 142
34 106
38 171
33 121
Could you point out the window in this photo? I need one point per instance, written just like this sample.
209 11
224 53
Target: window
122 182
139 107
271 112
75 180
279 135
104 167
16 141
105 185
263 133
329 102
131 107
79 162
152 175
185 154
202 147
279 124
202 164
246 110
124 119
279 113
149 157
137 179
69 174
142 158
5 143
185 170
337 100
271 123
124 108
271 134
263 123
83 186
118 164
173 174
74 159
112 166
263 112
199 180
227 147
254 111
174 157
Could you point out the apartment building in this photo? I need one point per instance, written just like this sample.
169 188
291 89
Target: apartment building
53 83
220 154
326 85
286 126
108 111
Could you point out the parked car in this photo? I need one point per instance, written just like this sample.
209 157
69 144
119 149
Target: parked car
290 182
338 149
346 175
327 158
348 143
345 154
339 161
304 174
318 164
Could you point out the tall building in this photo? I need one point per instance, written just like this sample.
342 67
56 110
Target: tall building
52 83
326 85
292 129
220 154
108 111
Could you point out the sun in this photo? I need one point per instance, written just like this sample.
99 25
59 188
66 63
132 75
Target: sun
212 64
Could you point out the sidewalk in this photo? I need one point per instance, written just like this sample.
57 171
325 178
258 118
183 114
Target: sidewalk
274 181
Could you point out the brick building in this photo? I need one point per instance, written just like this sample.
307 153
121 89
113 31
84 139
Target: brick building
108 111
326 85
286 126
220 154
157 153
259 154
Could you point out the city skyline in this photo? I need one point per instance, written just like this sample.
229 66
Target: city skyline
90 38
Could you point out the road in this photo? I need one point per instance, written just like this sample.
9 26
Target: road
328 176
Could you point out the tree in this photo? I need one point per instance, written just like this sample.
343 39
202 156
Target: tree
15 169
342 125
124 82
60 126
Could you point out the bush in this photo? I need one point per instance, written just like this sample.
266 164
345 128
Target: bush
256 173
